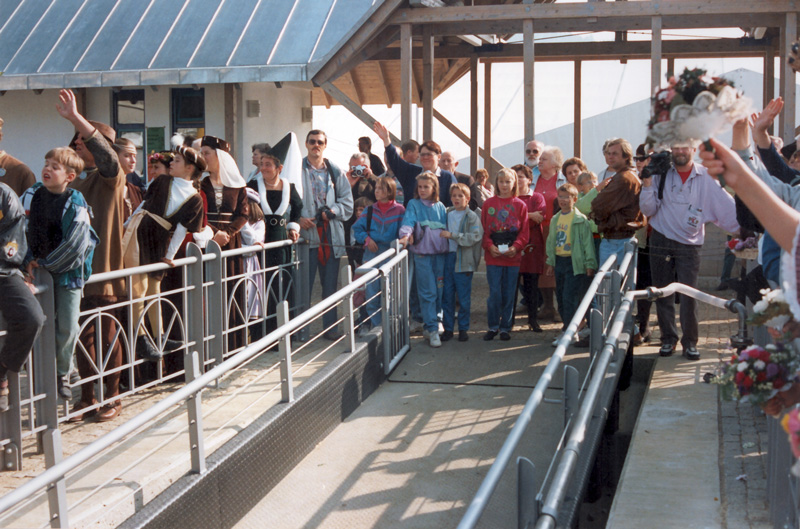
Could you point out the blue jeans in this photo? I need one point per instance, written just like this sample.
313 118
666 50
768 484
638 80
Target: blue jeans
570 288
456 284
329 277
68 308
502 290
429 270
413 298
610 247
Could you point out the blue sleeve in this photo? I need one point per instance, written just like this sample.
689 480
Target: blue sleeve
776 166
405 172
771 259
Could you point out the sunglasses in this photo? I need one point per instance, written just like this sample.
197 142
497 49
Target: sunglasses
315 142
640 158
531 151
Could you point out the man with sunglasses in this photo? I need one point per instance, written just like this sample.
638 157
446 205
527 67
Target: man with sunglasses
533 149
327 202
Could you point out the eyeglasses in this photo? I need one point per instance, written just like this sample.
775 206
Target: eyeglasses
531 151
426 154
315 142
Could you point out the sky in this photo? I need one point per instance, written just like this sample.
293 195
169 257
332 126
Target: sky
607 85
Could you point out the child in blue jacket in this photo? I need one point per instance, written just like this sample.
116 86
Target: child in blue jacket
425 219
376 229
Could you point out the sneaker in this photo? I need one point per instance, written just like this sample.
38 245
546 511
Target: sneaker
62 387
447 335
172 345
691 353
74 378
505 336
555 342
666 349
489 336
534 326
364 329
441 328
434 340
416 326
463 336
584 333
146 350
332 335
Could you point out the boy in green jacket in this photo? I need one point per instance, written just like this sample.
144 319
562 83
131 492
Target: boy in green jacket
570 253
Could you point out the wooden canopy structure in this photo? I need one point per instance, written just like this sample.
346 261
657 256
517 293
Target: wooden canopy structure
410 51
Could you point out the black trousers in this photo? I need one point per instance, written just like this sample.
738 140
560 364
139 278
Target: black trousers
24 319
671 261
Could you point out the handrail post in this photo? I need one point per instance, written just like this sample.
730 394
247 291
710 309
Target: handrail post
301 284
527 503
285 348
349 319
194 411
596 337
43 360
195 323
616 287
215 304
56 492
387 320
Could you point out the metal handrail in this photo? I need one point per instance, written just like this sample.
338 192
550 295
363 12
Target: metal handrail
200 382
492 479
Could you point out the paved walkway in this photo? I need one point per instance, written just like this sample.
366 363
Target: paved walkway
695 460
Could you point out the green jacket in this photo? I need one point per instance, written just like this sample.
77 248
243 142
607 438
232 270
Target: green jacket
583 255
584 205
468 237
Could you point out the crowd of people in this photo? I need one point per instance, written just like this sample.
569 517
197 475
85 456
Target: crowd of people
543 227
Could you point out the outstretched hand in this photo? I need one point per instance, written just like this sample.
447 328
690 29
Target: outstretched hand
67 106
767 116
383 133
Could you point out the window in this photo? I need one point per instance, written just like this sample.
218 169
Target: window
128 115
188 111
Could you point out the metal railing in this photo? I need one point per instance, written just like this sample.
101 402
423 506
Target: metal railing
201 335
586 408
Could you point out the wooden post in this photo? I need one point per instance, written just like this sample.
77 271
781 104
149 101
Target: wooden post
788 36
405 82
527 67
577 129
473 114
487 117
655 55
427 84
769 81
671 66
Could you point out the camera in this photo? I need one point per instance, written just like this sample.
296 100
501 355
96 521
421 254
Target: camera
328 213
359 170
660 162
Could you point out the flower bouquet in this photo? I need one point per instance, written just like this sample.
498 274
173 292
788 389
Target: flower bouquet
757 374
772 310
695 106
791 424
744 249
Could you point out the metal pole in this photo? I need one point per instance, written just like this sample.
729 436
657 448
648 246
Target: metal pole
349 318
57 491
527 505
285 348
301 285
386 322
215 303
572 385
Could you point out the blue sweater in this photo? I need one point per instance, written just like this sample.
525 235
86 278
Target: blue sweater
425 220
406 174
383 229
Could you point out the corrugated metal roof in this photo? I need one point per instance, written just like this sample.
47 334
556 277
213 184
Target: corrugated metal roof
86 43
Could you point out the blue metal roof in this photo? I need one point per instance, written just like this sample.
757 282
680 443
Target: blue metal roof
86 43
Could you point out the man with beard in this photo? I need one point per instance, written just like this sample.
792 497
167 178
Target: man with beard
533 149
678 212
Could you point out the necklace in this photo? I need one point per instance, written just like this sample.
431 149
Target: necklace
218 196
272 184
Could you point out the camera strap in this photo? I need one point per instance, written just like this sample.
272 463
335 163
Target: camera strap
333 178
661 183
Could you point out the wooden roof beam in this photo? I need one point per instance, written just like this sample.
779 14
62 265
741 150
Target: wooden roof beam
588 51
353 107
593 10
349 80
384 86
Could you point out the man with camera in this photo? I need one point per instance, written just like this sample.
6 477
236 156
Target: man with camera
327 203
679 198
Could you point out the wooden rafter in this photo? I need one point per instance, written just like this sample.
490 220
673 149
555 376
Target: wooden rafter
357 110
328 100
349 80
456 72
384 86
